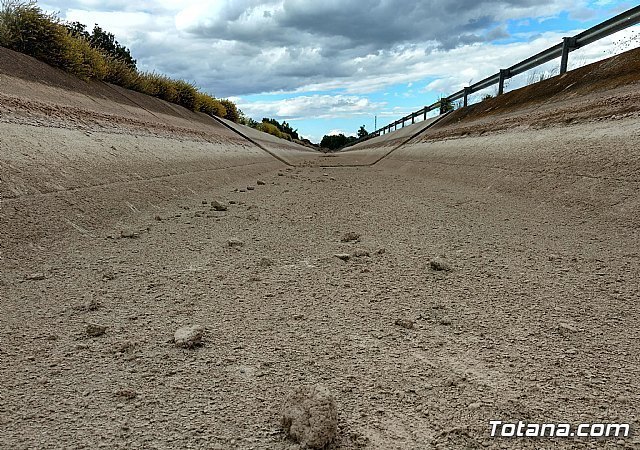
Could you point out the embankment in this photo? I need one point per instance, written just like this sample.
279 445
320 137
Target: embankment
81 156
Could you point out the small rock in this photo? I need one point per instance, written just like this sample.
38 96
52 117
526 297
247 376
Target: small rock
108 275
37 276
125 347
343 256
251 188
129 394
475 405
235 243
189 336
445 321
565 326
158 218
128 234
91 305
265 262
204 202
440 264
310 416
381 251
351 236
360 253
218 206
232 202
406 323
260 183
95 330
242 190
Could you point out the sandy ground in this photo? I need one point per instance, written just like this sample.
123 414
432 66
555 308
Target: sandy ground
537 319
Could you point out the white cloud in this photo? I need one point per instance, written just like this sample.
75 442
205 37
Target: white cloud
335 132
308 48
313 106
241 47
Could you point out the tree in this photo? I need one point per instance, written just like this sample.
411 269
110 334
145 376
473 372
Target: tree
245 120
362 132
336 141
232 110
78 29
446 105
107 42
284 127
104 41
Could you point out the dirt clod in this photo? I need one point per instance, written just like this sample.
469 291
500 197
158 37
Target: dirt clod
343 256
261 183
91 304
128 394
235 243
95 330
218 206
440 264
265 262
37 276
406 323
310 416
350 236
188 336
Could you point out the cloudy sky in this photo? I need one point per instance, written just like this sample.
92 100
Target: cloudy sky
327 66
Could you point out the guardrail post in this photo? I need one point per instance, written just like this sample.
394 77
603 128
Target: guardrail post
504 75
467 91
413 118
568 44
425 113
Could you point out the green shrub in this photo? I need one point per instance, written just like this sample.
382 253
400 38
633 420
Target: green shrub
120 74
232 110
209 105
25 28
157 85
83 60
187 93
446 105
270 128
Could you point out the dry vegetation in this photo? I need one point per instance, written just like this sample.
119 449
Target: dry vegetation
26 28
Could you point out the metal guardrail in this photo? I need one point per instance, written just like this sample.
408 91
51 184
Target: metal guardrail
562 50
